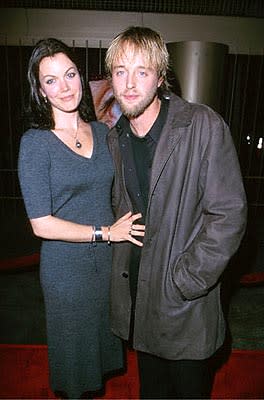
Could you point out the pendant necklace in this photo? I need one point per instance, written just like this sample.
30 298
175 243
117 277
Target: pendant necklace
77 142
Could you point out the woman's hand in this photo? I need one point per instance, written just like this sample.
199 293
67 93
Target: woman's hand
124 229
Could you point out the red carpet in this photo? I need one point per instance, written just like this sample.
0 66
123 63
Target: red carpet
19 262
24 375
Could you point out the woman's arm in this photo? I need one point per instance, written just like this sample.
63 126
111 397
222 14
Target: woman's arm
53 228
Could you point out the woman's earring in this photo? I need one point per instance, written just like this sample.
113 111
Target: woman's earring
45 99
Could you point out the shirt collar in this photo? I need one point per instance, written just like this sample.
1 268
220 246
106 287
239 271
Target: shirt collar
155 130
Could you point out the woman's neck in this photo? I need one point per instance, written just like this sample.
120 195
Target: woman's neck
67 121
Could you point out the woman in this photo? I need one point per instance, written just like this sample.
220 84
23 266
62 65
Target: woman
66 173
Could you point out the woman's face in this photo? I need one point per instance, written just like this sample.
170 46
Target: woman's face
60 82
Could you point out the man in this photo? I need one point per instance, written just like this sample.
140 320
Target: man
176 164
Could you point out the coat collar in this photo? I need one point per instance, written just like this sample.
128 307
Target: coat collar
180 111
179 114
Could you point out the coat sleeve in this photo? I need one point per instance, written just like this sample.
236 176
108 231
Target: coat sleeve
224 214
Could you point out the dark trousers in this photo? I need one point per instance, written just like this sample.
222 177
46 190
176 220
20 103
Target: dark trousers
173 379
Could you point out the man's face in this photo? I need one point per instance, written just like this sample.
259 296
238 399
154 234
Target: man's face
134 82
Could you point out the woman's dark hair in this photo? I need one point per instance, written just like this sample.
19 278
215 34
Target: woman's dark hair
39 112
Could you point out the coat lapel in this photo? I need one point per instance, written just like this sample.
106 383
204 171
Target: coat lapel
170 136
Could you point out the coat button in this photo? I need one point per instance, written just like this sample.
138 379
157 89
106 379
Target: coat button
125 275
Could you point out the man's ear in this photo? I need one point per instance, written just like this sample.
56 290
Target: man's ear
160 81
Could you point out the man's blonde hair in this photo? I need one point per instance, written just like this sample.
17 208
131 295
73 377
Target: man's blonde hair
144 40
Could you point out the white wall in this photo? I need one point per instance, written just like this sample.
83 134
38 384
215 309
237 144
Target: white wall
97 28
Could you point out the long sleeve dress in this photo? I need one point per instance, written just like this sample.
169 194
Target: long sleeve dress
75 277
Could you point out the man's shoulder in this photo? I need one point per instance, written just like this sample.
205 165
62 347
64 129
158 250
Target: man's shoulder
184 111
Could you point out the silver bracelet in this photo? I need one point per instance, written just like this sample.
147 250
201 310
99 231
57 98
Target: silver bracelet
93 234
108 236
98 235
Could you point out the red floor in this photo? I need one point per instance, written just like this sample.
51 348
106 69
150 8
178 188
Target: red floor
24 375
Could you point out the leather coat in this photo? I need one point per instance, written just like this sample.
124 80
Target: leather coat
195 220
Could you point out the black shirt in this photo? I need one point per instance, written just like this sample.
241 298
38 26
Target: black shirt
137 155
138 164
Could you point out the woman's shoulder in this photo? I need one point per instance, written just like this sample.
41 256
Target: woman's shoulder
35 133
35 137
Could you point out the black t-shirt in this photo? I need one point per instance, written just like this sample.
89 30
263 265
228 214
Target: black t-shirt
143 150
138 154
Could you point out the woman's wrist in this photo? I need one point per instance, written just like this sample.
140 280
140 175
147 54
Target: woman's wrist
93 234
106 234
101 234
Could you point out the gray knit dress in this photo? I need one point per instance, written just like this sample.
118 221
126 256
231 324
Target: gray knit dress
75 277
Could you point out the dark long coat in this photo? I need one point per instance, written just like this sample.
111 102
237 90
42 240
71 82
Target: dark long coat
195 220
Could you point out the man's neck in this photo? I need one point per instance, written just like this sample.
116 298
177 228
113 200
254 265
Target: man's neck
141 125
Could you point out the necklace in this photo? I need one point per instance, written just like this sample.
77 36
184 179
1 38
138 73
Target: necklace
77 142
